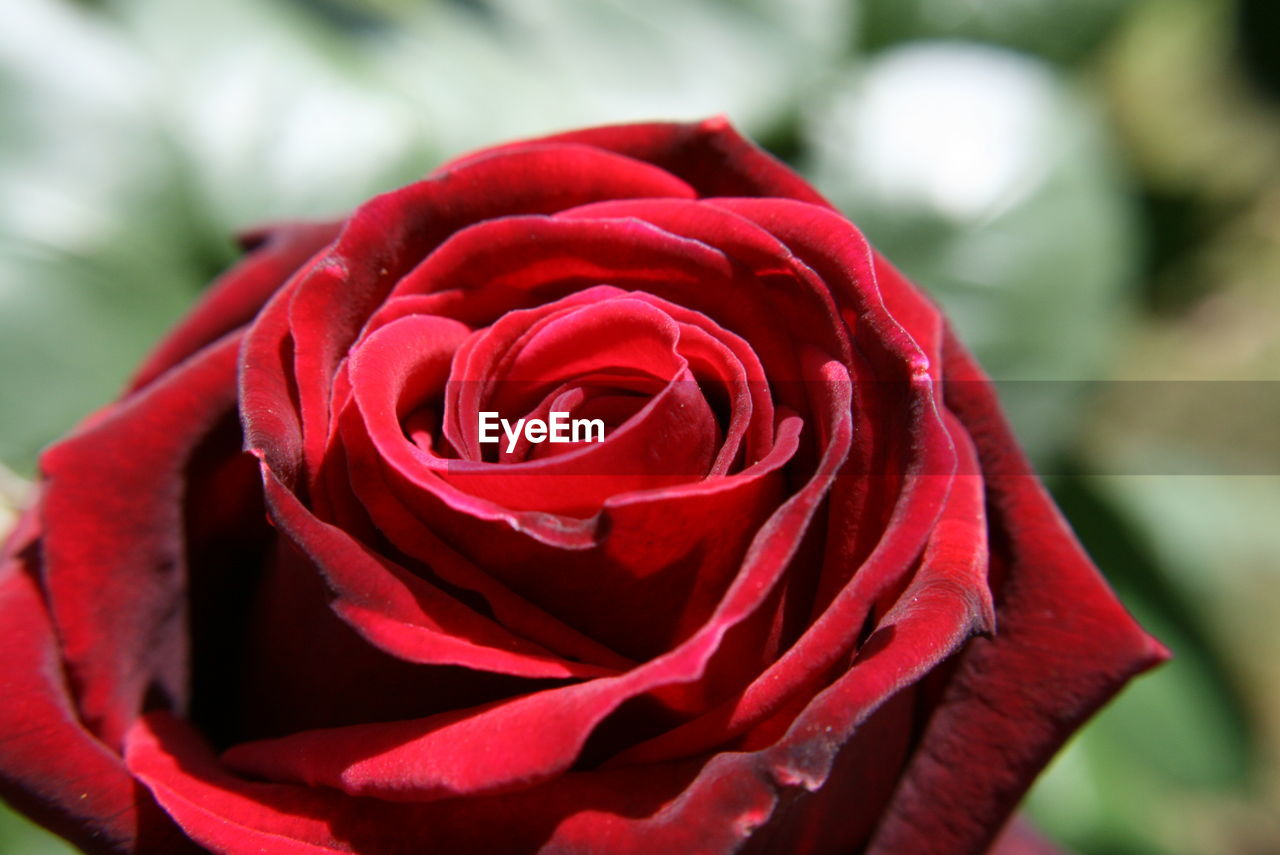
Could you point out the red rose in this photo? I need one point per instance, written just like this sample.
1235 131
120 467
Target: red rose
805 596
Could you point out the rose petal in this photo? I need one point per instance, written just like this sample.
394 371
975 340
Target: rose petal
754 287
453 569
225 815
632 812
710 155
619 588
405 615
114 556
790 293
51 767
386 237
897 381
441 755
946 601
999 715
546 258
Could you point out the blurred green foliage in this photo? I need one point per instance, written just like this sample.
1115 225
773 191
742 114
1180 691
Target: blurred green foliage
1059 30
1091 188
19 836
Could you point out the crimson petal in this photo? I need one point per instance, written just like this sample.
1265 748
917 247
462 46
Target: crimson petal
710 155
50 765
1000 716
114 562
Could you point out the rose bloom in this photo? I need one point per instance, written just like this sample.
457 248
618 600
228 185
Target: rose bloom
807 596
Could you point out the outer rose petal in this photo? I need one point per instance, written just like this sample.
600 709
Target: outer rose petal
636 811
710 155
1064 645
50 766
639 811
113 553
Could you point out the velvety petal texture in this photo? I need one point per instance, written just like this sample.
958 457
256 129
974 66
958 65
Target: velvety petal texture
319 583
